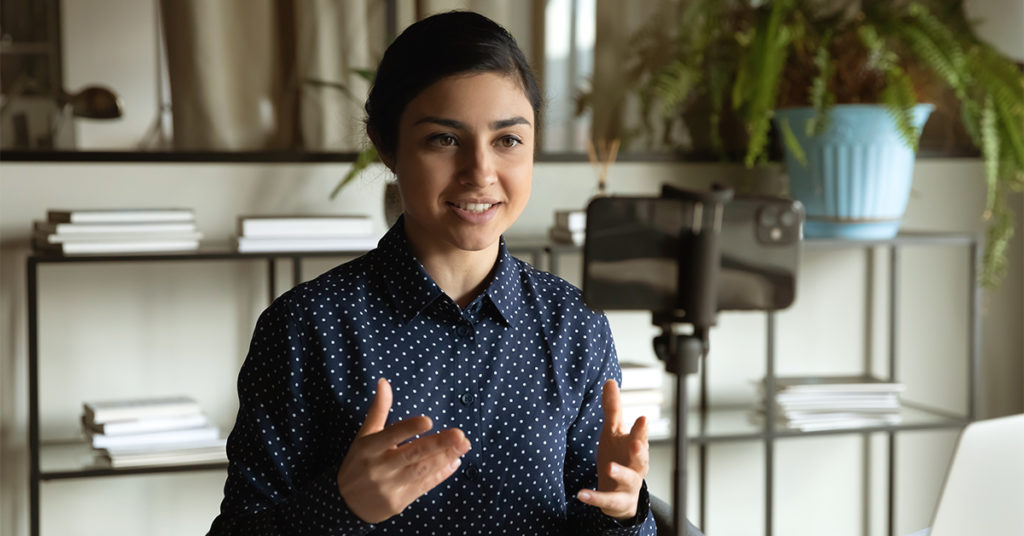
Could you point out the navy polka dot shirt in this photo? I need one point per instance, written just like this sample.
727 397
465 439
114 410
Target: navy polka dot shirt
519 370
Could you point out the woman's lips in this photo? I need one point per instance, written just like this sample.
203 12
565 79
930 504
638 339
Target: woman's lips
471 212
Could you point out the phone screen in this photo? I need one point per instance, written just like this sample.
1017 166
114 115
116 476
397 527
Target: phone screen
633 243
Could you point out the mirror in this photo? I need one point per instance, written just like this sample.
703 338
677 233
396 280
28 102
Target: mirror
243 79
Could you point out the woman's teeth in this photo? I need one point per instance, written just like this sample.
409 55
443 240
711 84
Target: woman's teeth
474 207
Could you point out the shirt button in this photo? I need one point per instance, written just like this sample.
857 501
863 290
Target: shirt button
467 398
462 331
472 472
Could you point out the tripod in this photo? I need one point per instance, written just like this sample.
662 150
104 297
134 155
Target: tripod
696 301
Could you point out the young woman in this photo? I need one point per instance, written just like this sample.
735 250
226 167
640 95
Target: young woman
437 385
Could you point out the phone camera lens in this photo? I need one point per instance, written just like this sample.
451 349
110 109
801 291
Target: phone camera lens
788 218
767 217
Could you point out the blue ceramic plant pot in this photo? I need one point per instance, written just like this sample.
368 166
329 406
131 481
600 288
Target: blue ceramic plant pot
856 183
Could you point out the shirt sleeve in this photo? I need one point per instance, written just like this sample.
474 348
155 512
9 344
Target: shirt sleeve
283 462
581 449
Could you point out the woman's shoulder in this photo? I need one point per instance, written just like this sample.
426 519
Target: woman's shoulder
338 285
554 291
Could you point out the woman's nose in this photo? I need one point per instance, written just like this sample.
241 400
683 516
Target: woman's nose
478 166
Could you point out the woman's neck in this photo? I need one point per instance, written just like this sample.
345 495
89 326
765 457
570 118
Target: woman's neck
461 274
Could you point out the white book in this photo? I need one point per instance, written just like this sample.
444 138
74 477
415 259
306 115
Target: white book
103 411
167 449
659 428
98 228
839 424
351 244
120 215
151 439
196 452
164 459
641 397
571 220
79 238
641 375
631 413
148 424
836 384
565 236
892 401
118 246
811 418
304 226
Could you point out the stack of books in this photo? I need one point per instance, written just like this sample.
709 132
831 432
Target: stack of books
151 431
570 227
305 233
71 232
641 394
834 402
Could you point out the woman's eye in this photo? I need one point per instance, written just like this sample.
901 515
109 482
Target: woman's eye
509 141
444 140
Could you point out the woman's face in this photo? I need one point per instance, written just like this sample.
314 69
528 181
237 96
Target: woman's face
464 161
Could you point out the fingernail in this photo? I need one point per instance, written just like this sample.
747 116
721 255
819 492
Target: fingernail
456 463
583 495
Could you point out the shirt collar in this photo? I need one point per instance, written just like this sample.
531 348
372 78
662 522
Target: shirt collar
506 288
412 289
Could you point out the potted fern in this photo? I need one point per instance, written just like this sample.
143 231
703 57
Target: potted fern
803 66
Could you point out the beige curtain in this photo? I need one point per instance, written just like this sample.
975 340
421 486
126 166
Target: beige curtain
334 39
248 75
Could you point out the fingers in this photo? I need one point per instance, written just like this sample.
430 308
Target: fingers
639 431
620 501
430 472
612 407
401 431
450 444
618 504
625 477
377 416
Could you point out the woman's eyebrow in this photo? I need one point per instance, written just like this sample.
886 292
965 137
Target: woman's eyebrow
451 123
505 123
459 125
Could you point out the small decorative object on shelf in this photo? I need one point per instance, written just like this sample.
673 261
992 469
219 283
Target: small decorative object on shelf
812 403
602 157
70 232
151 431
570 227
305 233
641 395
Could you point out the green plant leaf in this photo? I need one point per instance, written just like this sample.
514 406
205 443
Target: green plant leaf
792 143
363 160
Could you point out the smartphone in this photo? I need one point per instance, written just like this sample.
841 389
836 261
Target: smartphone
632 249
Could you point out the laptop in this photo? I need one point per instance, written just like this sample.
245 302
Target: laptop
984 489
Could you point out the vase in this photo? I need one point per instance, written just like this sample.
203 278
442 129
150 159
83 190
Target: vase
857 178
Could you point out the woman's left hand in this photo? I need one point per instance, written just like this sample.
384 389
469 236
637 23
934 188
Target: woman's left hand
622 460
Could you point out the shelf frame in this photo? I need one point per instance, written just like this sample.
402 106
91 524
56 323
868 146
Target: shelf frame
542 251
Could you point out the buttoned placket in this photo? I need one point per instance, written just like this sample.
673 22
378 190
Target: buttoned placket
468 397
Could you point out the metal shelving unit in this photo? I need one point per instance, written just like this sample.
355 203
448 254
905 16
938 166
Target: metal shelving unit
61 460
708 425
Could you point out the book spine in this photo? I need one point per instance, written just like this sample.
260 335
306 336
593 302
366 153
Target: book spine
101 441
310 227
571 220
98 414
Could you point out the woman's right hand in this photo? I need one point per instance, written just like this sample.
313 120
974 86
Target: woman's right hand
379 477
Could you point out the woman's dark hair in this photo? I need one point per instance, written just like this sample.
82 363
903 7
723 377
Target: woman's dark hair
436 47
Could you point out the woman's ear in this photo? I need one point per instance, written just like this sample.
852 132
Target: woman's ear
388 159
